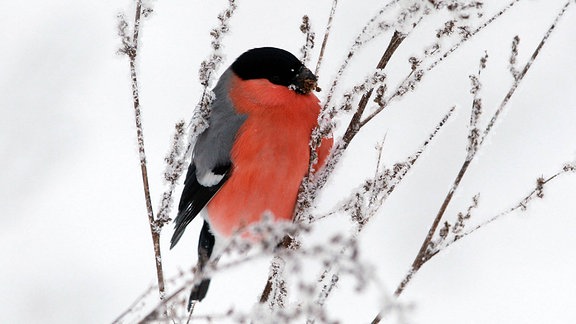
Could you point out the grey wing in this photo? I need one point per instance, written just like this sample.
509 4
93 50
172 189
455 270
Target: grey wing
211 163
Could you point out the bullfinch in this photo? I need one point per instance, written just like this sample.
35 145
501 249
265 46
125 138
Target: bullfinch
254 154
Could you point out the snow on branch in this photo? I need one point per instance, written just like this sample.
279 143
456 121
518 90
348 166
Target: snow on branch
306 49
130 49
460 229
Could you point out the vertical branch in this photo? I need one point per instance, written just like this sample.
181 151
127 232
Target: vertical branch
131 49
326 35
174 167
309 43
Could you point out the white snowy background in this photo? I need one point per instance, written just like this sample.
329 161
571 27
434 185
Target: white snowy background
75 245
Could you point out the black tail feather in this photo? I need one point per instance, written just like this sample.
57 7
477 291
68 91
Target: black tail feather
205 248
199 292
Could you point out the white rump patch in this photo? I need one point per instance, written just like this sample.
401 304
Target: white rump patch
210 179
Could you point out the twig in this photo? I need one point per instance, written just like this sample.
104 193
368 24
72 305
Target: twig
131 50
354 125
287 243
522 204
424 254
133 306
358 42
174 167
520 76
470 36
326 35
306 49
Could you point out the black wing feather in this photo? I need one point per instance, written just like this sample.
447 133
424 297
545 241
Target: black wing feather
194 197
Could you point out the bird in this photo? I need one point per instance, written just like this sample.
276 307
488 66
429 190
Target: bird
254 154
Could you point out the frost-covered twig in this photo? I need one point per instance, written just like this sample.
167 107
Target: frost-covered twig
174 168
458 232
130 49
312 184
383 183
326 36
176 159
424 254
306 49
354 125
366 34
207 76
476 111
513 57
471 34
518 78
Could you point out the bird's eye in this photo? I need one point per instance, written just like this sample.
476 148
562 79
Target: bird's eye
292 70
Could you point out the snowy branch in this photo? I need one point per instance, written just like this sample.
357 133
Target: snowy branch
130 49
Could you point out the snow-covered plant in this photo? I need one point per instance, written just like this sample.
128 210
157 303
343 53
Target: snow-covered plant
290 292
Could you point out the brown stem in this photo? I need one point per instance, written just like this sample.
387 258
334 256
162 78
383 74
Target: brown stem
266 292
154 228
287 242
326 35
524 71
424 254
354 125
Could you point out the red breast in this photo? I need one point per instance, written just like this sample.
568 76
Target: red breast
270 154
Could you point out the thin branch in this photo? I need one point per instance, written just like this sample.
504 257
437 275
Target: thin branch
473 33
527 67
425 254
174 167
522 204
326 35
306 49
354 125
358 42
131 50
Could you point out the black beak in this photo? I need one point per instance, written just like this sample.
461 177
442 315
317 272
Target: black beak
305 81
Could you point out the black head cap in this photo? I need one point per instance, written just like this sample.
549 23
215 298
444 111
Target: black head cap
277 66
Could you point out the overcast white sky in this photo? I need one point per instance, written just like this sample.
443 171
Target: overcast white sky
74 238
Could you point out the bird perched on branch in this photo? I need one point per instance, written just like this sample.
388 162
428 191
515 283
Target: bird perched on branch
255 152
